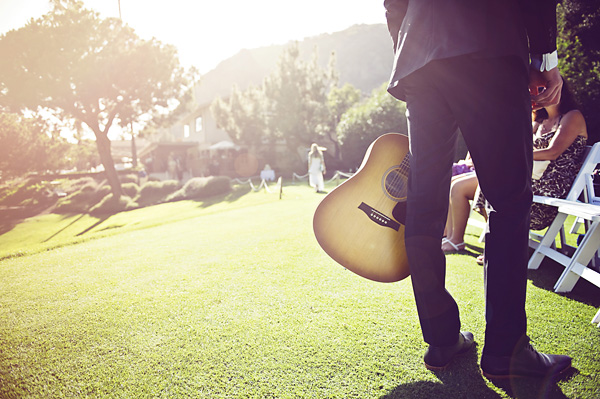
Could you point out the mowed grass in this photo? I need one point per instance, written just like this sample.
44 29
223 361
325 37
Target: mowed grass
235 299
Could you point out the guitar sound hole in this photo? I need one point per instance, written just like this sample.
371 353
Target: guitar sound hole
395 183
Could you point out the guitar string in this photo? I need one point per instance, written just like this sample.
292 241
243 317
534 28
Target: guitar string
396 185
399 179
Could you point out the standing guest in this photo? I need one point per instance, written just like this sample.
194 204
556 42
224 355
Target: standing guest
316 168
461 64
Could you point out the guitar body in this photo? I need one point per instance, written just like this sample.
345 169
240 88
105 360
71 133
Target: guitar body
360 223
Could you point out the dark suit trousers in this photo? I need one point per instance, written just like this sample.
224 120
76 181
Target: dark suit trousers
488 100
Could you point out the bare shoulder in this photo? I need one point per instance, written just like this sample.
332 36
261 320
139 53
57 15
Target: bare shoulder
574 122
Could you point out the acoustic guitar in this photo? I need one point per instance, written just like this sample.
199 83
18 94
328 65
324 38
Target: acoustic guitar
360 223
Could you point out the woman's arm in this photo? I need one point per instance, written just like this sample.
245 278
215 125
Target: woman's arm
572 125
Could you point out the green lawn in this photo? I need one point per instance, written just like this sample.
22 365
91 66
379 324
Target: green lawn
234 299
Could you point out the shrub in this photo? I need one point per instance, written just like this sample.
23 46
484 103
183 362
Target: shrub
202 187
68 205
154 192
128 178
80 201
26 192
130 189
70 186
110 205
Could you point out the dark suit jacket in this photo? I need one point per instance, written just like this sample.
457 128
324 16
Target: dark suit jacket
427 30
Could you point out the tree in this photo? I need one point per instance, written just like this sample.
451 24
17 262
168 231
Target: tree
96 71
287 107
27 146
295 93
339 100
582 18
242 115
579 62
364 122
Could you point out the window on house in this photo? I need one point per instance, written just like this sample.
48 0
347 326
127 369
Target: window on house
186 131
199 124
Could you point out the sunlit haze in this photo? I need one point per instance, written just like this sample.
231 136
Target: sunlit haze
207 32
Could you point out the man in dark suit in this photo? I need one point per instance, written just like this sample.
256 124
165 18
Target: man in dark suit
466 64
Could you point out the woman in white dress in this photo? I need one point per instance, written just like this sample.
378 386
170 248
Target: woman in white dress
316 168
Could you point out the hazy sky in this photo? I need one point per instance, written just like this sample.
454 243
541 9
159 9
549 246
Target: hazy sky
209 31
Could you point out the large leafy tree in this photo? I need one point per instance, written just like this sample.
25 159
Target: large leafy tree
96 71
296 92
289 107
364 122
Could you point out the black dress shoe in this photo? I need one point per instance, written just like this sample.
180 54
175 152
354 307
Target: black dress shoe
438 357
526 362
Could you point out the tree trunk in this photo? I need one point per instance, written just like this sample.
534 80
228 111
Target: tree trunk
133 148
134 158
103 145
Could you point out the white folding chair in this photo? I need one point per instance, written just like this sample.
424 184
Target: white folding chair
596 319
574 194
576 265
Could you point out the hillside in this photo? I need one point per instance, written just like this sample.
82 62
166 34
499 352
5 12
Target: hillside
363 56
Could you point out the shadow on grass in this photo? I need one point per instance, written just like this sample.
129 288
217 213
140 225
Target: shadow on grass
8 219
548 273
98 223
205 203
463 379
65 227
471 250
532 388
235 194
546 276
231 197
12 216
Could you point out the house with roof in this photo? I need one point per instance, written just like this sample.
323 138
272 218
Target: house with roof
197 145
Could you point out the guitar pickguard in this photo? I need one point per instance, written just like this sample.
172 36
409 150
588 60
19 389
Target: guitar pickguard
399 212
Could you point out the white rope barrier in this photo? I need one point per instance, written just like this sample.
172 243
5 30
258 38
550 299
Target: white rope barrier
238 181
263 184
338 175
279 185
249 181
296 176
346 175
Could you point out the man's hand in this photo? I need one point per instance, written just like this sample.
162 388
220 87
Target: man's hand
552 83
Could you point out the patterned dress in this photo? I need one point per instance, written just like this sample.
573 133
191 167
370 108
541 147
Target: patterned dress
555 182
557 178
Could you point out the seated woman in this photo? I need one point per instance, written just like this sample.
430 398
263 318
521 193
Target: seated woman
559 140
560 136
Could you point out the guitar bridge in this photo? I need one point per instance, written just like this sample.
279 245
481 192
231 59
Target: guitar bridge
378 217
